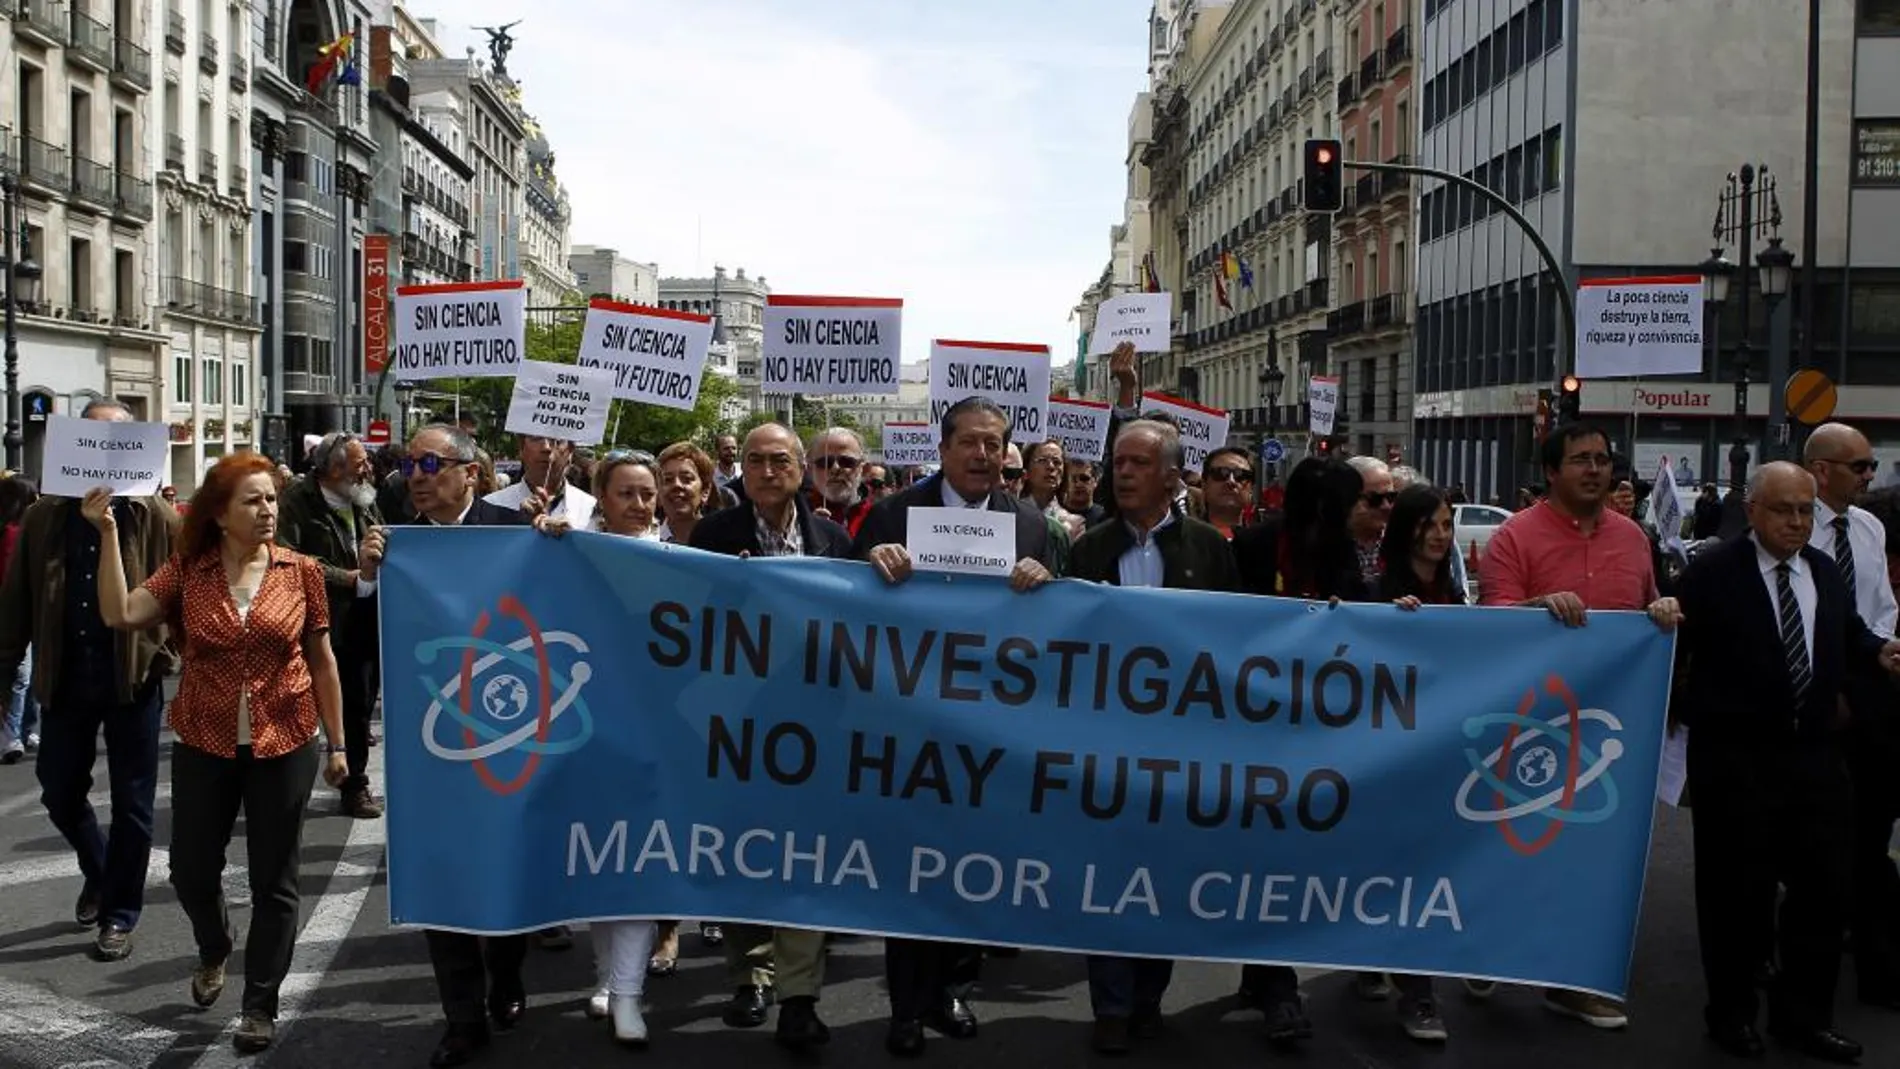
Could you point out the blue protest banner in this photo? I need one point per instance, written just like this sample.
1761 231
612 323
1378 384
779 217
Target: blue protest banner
595 727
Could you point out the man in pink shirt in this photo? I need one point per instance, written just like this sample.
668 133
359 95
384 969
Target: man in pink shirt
1570 554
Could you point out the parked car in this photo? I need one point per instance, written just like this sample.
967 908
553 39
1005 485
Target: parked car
1473 525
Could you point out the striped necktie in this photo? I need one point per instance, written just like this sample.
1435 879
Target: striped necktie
1794 646
1844 554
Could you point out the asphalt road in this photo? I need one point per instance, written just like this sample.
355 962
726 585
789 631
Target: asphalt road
361 996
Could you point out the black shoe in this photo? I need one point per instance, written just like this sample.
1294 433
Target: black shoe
1111 1036
254 1033
953 1018
905 1039
114 943
460 1044
1146 1022
556 938
1287 1022
506 1004
798 1025
1739 1040
86 910
747 1007
1823 1044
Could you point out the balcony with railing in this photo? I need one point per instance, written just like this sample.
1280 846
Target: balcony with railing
207 167
1348 91
90 41
1347 320
133 198
1398 48
240 185
174 30
1390 310
1365 192
189 297
43 21
1372 71
208 52
44 164
240 73
131 64
92 183
175 152
1396 183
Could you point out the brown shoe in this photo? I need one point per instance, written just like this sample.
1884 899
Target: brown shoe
362 805
254 1033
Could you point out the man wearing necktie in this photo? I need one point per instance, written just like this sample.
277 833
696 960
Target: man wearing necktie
1769 640
1842 463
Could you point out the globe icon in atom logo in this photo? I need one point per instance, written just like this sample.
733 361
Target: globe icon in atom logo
506 697
1542 768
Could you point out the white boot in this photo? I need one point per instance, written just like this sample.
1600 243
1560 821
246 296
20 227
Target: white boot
629 1026
599 1005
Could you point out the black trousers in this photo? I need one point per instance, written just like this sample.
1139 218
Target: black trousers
923 974
1873 749
207 791
1270 983
470 969
1768 815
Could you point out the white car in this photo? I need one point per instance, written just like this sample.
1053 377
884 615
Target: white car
1475 524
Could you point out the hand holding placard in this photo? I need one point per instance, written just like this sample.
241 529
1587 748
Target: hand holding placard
128 458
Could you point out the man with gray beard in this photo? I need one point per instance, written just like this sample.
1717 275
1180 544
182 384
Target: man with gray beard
324 516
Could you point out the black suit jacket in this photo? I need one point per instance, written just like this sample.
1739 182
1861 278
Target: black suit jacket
306 523
1194 555
889 521
736 530
1738 692
482 514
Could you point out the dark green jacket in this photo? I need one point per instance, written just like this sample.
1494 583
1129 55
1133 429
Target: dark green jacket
307 524
1194 555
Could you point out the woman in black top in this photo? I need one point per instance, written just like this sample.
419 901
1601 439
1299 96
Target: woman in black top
1306 551
1416 553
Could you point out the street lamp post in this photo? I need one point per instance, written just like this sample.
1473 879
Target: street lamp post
26 273
1272 377
1747 209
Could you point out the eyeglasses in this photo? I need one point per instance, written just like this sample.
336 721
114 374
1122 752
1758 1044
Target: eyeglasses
839 461
428 464
1379 500
875 484
775 461
1048 460
1865 466
1010 475
1226 474
1588 460
636 456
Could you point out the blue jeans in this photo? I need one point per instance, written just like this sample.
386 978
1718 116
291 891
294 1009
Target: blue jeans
114 864
1118 987
23 710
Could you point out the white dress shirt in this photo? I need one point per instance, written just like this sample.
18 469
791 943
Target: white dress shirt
954 500
1141 563
1873 595
1801 580
575 505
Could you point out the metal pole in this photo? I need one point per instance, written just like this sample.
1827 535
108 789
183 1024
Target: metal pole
1810 191
1738 453
339 354
13 439
1775 434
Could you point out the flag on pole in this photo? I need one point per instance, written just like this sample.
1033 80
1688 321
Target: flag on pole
1246 274
1220 290
1150 280
333 59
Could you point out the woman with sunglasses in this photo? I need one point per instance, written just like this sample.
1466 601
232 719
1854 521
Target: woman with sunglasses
686 490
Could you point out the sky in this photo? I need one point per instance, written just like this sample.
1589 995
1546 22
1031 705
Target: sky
965 155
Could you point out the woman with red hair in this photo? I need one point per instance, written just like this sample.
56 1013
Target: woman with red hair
252 621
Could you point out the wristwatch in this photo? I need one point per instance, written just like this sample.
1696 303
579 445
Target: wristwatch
330 748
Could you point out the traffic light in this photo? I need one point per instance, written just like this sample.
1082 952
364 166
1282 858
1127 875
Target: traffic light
1324 448
1325 190
1569 399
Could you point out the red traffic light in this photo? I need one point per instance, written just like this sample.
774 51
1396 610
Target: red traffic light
1323 154
1572 384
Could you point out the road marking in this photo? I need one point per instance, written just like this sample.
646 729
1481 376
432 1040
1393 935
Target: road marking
41 1030
237 886
321 938
100 799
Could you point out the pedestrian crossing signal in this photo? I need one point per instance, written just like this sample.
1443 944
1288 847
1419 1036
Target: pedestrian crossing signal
1325 190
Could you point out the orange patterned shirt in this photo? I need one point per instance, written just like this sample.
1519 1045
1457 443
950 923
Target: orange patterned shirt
261 655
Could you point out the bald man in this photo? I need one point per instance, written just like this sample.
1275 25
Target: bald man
1769 638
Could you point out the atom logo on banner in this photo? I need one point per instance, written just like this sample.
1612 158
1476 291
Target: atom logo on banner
506 698
1537 781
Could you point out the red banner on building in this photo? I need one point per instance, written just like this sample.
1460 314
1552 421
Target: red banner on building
375 303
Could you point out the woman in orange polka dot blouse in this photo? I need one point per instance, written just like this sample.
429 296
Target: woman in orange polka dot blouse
252 620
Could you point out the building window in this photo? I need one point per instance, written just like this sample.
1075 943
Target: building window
79 266
181 377
240 384
1880 17
214 382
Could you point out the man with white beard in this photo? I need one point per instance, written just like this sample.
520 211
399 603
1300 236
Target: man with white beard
324 516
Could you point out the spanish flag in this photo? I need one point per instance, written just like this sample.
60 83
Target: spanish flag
333 59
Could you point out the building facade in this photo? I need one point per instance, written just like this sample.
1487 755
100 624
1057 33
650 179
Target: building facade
74 90
1374 241
496 129
602 272
1536 99
738 305
419 193
544 226
1265 87
910 404
203 269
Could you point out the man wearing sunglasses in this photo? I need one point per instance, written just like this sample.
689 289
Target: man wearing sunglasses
477 977
836 470
1843 465
1226 487
543 487
1370 513
877 483
1013 471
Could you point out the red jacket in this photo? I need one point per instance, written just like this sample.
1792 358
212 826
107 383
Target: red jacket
9 538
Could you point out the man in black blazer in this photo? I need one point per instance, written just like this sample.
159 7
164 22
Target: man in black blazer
477 977
928 979
1768 639
773 520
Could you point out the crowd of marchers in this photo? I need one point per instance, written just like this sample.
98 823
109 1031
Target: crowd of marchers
262 596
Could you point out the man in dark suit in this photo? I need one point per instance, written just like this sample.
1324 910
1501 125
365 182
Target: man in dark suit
1150 543
478 977
774 520
1769 638
928 980
323 516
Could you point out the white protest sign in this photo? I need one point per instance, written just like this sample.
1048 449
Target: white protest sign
1203 429
832 345
656 355
972 541
1081 426
1015 376
561 401
459 330
1639 326
1141 318
81 454
1665 509
907 445
1322 402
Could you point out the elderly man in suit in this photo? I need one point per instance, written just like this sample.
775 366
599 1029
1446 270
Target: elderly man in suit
1770 637
774 520
927 979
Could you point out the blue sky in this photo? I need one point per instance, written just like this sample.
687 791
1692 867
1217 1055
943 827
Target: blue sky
966 155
